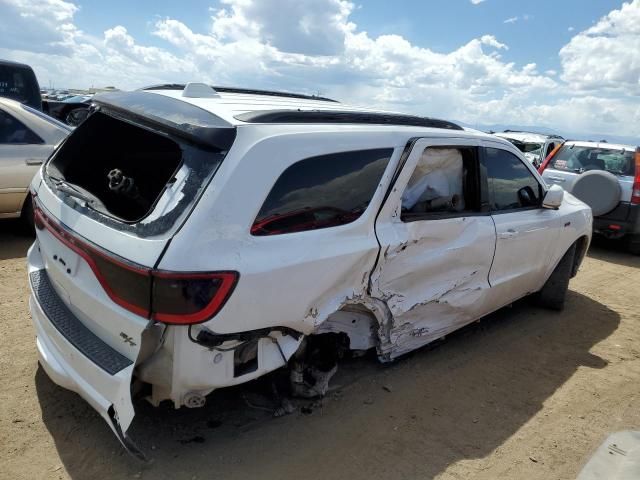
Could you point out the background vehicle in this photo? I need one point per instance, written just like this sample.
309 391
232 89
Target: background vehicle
72 111
605 176
27 138
217 235
18 82
534 146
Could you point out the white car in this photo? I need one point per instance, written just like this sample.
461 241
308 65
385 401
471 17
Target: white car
27 138
606 177
535 146
217 235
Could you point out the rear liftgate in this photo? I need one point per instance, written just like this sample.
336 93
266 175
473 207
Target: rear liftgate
81 276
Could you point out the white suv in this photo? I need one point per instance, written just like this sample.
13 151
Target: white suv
535 146
190 239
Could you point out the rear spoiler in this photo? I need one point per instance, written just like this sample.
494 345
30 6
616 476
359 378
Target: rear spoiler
171 115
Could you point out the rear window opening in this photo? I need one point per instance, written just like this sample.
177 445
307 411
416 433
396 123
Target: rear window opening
122 167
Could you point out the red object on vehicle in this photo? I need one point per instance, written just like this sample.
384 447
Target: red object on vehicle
615 227
635 193
170 297
548 159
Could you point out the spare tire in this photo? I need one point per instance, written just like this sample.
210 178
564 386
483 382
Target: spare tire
598 189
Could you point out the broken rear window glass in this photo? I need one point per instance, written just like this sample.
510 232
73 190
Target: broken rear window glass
321 192
132 177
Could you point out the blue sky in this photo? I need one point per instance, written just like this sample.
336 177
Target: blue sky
569 65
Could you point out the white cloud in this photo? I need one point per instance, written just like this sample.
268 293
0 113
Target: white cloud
477 2
570 29
317 48
606 56
309 26
525 18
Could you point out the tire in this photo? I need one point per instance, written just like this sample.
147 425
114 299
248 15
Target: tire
553 293
27 215
76 116
633 244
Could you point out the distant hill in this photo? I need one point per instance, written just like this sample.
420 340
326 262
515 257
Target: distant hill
568 135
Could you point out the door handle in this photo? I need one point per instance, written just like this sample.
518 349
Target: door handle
508 234
557 179
33 161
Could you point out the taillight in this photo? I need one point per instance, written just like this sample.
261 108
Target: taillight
545 164
169 297
635 193
186 298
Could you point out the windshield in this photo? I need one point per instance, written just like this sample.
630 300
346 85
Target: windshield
580 159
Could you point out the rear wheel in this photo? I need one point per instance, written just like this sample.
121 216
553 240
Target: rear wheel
633 244
76 116
27 214
553 293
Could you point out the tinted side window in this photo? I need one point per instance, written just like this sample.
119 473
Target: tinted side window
511 184
14 132
322 192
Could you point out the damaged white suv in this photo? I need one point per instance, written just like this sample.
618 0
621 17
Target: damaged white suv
190 239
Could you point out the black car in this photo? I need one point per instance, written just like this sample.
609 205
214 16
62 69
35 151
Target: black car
18 82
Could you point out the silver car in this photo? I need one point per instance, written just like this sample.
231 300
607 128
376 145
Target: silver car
27 138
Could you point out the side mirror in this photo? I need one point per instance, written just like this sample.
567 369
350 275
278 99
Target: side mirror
553 197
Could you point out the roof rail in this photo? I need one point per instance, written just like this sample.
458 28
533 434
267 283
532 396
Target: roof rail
246 91
337 116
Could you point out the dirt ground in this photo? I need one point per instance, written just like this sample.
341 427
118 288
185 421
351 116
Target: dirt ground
524 394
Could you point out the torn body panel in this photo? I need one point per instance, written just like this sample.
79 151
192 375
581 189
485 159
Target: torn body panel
432 272
431 284
75 358
182 368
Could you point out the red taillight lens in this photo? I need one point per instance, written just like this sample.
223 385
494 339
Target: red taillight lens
169 297
187 298
545 164
125 283
635 194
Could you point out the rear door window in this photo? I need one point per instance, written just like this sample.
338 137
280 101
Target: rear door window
511 185
573 158
322 192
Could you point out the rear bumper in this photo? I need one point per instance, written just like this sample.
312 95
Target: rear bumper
616 225
73 368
